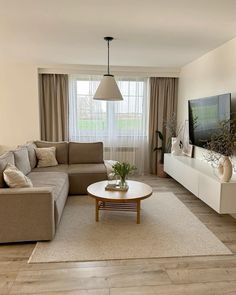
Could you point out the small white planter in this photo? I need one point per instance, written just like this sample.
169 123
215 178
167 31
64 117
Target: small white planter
225 169
175 146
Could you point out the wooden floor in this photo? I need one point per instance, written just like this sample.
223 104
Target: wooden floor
189 275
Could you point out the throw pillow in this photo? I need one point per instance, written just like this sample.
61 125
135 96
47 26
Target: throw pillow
22 160
46 157
61 149
14 178
7 158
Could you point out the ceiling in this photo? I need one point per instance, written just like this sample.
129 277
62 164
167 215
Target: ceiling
156 33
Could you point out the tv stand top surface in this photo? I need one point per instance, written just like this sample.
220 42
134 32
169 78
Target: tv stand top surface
202 166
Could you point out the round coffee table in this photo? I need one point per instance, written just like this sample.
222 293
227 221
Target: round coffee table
118 200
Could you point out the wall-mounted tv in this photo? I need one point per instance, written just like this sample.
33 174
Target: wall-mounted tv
205 115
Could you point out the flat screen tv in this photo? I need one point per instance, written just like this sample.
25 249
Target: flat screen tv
205 115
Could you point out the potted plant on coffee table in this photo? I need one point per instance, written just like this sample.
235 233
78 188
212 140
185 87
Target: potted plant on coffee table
122 170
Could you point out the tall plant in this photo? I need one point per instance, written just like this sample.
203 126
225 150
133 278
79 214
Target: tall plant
171 129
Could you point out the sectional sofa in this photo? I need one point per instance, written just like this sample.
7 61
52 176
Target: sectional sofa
33 214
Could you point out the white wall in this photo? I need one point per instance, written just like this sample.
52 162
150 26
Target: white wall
19 110
212 74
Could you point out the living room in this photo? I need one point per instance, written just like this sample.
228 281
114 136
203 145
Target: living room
172 230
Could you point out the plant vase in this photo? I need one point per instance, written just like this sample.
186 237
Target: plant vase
123 182
122 170
225 169
175 146
160 170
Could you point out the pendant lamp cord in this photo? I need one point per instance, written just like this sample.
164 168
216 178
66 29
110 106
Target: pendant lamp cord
108 57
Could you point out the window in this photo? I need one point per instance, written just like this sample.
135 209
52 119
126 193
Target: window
121 125
103 119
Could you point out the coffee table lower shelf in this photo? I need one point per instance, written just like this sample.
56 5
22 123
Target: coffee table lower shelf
131 206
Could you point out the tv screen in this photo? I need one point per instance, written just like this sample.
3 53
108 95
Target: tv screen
205 115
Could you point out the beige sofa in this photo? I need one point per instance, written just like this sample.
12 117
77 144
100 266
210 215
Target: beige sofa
33 214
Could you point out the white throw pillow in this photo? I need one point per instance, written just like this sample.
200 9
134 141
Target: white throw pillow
14 178
46 157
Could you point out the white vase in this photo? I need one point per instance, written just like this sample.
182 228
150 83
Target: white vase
175 146
225 169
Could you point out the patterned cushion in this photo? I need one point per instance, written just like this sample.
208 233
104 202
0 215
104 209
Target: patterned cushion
14 178
61 149
46 157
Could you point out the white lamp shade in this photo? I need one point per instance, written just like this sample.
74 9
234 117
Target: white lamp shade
108 89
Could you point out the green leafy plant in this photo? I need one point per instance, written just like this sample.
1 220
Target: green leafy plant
123 170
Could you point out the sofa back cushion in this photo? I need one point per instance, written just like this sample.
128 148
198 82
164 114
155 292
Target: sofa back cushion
61 149
22 160
32 155
81 153
7 158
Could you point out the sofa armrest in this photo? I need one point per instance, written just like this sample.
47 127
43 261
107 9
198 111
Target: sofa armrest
25 190
26 214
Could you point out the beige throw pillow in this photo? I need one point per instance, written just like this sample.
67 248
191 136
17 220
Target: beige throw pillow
14 178
46 157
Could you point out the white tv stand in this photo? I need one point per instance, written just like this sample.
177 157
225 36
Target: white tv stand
200 179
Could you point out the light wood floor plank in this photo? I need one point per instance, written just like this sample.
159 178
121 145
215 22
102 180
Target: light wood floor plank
189 276
77 292
221 288
92 278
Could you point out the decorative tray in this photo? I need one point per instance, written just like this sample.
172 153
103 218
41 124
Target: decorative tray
116 187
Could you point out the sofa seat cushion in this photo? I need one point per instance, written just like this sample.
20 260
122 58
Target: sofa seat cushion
60 183
58 168
87 168
82 175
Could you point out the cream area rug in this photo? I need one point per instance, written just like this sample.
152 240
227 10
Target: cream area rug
167 229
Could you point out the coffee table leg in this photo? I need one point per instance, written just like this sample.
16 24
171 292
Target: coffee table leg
138 212
97 210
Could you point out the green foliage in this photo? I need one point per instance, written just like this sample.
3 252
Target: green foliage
123 169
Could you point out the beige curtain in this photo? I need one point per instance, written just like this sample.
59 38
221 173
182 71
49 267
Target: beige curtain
163 103
54 101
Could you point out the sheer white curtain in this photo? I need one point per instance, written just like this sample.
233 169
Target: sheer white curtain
122 125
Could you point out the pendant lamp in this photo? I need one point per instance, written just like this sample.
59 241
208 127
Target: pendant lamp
108 89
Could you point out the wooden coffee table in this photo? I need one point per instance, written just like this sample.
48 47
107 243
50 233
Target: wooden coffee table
117 200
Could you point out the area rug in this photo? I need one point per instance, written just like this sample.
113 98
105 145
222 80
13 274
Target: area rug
168 229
